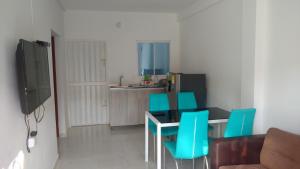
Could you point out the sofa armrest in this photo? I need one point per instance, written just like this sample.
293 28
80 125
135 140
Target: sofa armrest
235 151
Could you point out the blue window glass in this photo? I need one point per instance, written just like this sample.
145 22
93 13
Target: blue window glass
154 58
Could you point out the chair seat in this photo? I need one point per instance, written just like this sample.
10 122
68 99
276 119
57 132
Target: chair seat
170 131
171 146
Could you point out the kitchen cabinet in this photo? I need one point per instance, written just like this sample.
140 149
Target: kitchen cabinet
127 106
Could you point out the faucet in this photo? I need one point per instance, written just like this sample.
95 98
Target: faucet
120 80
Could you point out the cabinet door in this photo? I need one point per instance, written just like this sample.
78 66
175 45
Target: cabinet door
129 107
133 108
118 108
143 105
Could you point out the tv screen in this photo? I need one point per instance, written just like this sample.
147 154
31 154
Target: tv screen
33 75
43 79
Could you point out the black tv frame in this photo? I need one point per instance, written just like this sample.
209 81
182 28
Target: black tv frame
29 91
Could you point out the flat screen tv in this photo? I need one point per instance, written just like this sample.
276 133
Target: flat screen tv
33 75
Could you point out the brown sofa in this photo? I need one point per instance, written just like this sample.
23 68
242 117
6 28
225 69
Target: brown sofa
275 150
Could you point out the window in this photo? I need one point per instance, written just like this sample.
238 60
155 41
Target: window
154 58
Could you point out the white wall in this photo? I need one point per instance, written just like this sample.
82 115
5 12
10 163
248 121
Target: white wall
211 43
281 65
16 22
248 52
261 36
121 42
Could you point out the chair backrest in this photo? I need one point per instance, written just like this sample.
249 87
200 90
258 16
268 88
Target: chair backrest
240 123
158 102
186 100
192 139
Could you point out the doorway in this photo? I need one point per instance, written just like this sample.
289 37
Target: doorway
87 88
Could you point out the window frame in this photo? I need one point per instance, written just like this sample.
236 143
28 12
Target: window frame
152 41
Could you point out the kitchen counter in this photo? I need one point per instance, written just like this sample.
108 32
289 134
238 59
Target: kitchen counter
127 105
134 88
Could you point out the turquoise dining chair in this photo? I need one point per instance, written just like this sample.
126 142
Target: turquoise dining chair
159 103
186 101
240 123
192 138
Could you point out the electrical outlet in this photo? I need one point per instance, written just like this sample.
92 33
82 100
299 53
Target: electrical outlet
31 142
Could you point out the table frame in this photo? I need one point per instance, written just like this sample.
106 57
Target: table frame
159 126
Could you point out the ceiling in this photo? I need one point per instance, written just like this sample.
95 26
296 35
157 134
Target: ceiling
128 5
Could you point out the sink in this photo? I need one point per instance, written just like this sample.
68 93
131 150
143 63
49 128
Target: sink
142 86
136 86
128 87
123 86
133 86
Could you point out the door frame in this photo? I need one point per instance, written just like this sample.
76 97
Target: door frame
53 49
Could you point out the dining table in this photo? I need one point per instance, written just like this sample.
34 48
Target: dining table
171 118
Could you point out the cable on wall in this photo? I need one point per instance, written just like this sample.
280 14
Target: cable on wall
31 134
38 116
26 119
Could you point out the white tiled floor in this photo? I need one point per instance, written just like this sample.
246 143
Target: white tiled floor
99 147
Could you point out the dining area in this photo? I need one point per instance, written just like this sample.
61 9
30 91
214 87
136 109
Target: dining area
187 132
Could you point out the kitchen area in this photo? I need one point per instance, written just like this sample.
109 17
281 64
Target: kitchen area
128 103
101 92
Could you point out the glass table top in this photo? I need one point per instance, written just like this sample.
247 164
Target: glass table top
173 116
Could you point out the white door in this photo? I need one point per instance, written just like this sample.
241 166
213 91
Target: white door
86 82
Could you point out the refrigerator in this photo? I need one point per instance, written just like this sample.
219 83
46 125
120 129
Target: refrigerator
181 82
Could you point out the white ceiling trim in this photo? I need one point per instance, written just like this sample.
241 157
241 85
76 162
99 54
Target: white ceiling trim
196 8
150 6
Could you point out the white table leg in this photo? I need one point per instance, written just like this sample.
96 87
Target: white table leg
146 138
219 130
158 147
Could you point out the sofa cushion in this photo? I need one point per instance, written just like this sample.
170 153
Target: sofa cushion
281 150
252 166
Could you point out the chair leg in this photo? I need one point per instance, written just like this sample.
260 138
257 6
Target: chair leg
164 157
206 162
154 148
193 163
176 164
181 162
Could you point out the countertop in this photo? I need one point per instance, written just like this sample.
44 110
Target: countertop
134 88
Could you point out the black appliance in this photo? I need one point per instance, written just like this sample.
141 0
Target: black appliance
33 74
181 82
